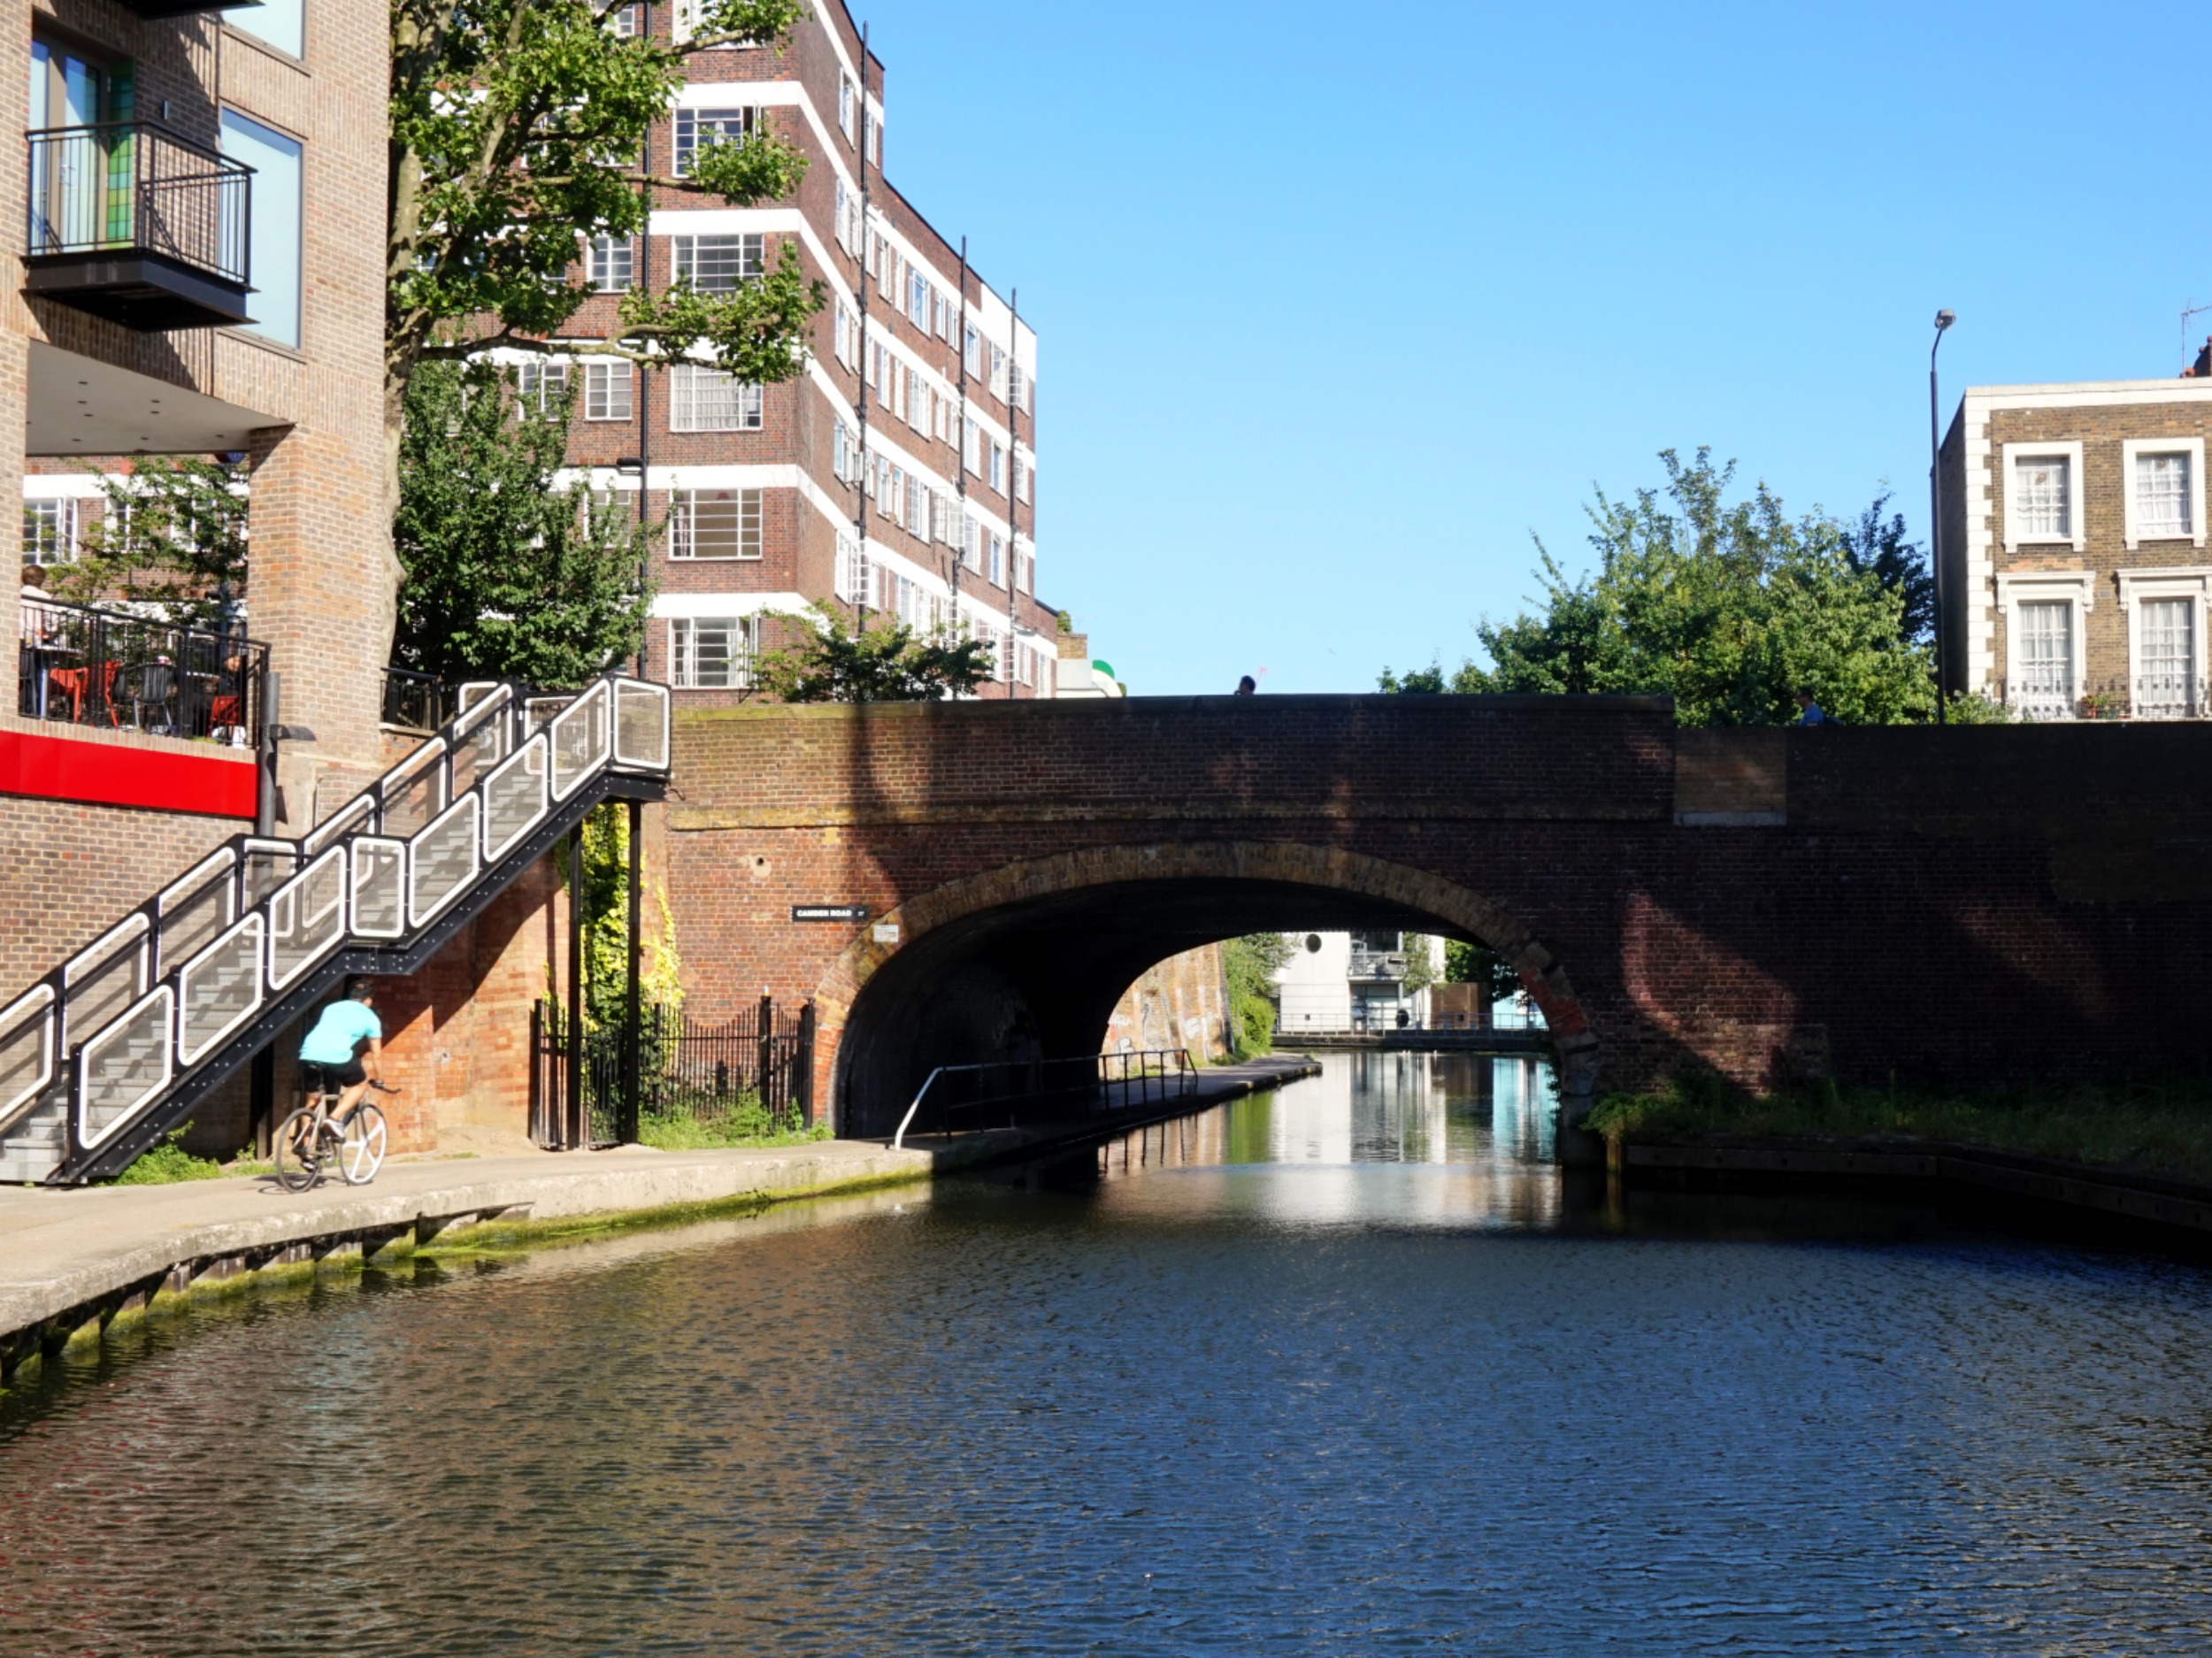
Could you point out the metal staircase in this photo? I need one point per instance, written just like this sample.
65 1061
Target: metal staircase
121 1043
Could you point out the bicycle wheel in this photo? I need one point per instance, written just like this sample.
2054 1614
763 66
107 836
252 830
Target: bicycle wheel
361 1154
299 1161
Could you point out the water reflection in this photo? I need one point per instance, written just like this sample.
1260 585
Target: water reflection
1407 1139
1230 1396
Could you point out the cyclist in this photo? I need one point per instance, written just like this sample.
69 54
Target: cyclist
334 1047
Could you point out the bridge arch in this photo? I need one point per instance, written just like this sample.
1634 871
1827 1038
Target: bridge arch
1034 954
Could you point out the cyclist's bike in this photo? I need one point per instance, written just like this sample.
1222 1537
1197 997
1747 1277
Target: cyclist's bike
310 1139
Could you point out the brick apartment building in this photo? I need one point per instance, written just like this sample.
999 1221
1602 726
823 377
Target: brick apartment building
898 474
2074 548
163 299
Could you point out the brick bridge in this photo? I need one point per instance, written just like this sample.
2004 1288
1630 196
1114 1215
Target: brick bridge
1968 905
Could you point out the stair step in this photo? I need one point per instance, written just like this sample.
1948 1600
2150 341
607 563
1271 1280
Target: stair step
20 1171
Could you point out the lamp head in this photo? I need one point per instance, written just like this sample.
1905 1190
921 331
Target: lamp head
1945 319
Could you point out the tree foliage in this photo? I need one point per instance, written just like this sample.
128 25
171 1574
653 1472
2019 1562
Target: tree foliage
1249 965
836 660
172 536
508 576
518 126
1727 607
1466 963
606 918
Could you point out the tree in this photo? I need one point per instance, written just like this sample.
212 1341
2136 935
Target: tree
835 660
508 577
1466 963
1726 607
1878 547
517 127
1249 965
172 536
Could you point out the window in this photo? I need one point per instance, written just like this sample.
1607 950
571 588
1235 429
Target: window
719 265
971 446
994 561
844 457
538 389
697 129
707 400
50 531
607 391
611 262
714 524
847 219
918 502
998 466
2041 493
2046 656
883 377
272 233
845 106
972 353
626 22
279 23
2166 675
874 121
712 652
2161 496
1025 478
1024 569
852 569
917 300
998 373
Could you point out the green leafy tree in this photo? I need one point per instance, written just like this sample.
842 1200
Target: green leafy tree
834 659
1249 965
172 536
518 126
1727 607
508 577
1466 963
1420 966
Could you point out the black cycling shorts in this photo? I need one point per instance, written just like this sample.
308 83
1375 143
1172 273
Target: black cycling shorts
317 1077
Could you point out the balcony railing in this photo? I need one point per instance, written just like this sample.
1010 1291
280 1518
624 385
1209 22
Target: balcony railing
133 222
2154 696
83 666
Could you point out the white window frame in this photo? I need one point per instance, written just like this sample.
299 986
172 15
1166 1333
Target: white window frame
683 650
2078 588
67 526
752 526
2193 447
600 378
543 400
2076 536
684 401
2192 582
599 253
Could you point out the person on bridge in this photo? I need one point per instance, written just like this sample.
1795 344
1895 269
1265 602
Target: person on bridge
1248 687
336 1045
1809 712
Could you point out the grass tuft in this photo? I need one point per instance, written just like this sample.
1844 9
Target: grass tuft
168 1163
2163 1128
744 1123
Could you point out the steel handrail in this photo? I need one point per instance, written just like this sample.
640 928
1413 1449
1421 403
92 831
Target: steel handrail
1185 1077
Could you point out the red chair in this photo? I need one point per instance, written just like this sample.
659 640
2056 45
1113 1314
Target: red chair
71 682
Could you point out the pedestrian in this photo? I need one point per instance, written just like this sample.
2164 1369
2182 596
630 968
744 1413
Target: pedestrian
1248 687
1809 712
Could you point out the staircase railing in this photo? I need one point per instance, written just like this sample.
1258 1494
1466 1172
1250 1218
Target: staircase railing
165 993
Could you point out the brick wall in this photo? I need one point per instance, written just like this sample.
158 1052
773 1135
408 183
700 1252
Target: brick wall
1176 1003
1966 904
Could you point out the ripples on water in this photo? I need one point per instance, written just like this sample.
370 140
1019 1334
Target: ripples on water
1336 1372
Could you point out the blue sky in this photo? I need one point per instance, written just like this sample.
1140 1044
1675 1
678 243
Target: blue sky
1332 322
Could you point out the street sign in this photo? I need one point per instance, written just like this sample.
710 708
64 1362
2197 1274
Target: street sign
829 912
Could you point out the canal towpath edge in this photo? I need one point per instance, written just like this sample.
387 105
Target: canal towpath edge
70 1256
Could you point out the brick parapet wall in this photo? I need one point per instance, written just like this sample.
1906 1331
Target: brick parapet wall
1938 904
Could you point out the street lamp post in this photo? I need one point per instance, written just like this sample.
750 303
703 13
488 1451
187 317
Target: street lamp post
1943 320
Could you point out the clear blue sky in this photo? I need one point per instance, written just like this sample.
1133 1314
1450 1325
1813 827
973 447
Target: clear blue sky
1332 321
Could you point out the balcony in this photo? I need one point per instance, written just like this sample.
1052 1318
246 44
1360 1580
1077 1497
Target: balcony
137 224
80 665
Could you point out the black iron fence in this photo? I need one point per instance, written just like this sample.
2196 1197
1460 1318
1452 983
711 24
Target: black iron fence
1036 1093
753 1075
137 186
86 666
414 701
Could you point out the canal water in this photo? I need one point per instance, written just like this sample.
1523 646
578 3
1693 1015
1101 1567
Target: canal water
1345 1370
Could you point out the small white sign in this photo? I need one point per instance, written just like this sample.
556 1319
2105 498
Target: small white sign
886 933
